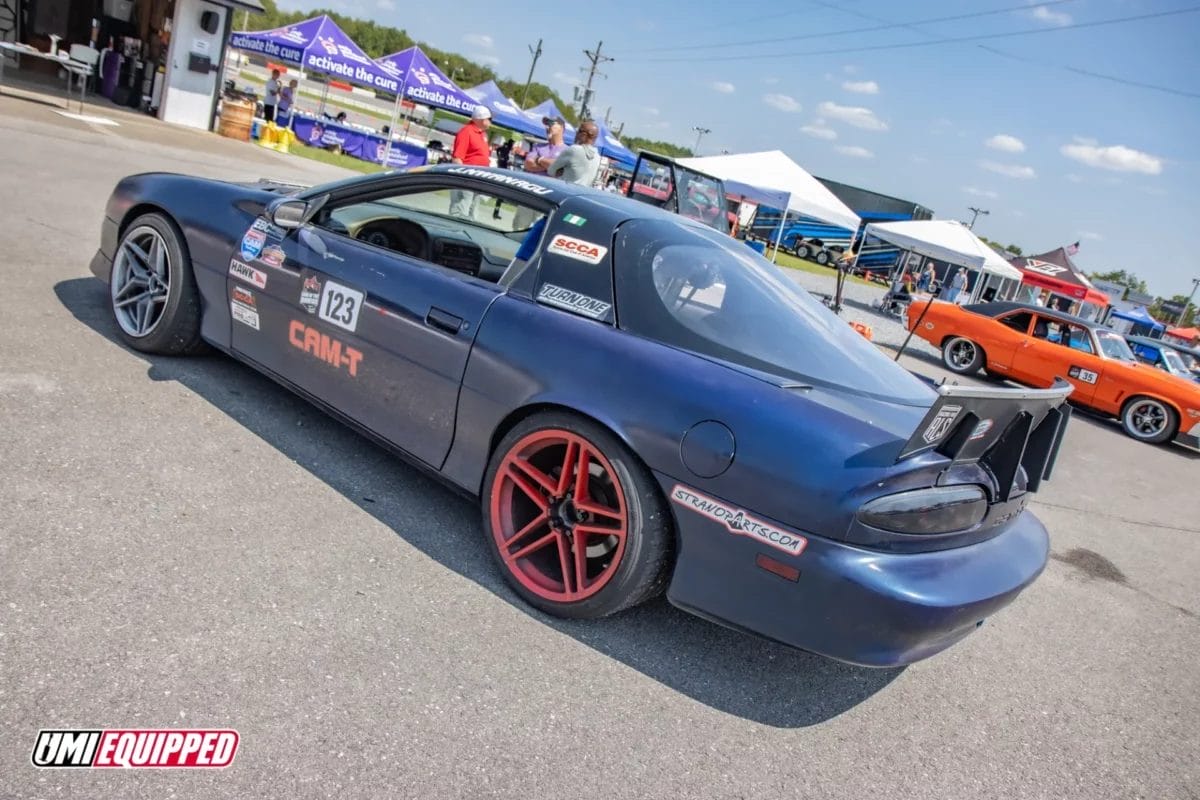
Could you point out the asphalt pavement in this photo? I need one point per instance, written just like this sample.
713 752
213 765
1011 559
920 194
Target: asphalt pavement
184 543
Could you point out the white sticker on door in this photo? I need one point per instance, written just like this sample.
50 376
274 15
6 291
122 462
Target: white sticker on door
340 305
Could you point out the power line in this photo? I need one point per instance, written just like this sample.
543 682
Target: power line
1089 73
886 26
948 40
536 55
596 59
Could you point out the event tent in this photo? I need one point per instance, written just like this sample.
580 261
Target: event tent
945 240
1055 271
420 81
772 179
611 147
320 45
505 112
1138 315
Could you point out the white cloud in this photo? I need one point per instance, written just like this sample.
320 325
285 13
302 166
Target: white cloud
1005 143
650 110
386 5
819 130
724 87
1117 157
854 151
483 58
782 102
861 87
988 193
857 116
656 126
1043 14
770 81
1009 170
849 69
479 40
1091 235
567 78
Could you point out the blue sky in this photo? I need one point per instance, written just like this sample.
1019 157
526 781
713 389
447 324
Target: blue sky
1055 156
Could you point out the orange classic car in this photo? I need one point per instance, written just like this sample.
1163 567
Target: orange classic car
1034 345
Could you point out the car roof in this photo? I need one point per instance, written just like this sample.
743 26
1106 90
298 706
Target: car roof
999 307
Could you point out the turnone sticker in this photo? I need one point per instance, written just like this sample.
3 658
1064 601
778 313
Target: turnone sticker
737 521
568 300
577 249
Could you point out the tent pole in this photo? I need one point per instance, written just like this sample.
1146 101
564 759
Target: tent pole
324 94
779 236
387 151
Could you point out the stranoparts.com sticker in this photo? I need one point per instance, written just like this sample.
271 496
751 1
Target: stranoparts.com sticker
738 521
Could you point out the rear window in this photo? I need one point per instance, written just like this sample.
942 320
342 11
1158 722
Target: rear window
698 290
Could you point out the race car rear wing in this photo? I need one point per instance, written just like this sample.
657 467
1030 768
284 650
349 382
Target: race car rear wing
1004 429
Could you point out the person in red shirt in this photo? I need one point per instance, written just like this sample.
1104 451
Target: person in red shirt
471 148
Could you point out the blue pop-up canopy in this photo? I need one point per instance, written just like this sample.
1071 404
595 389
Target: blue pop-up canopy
422 82
548 109
320 45
504 111
1140 316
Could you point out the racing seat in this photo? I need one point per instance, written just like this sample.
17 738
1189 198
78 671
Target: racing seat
525 252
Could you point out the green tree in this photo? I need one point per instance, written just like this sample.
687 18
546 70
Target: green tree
1122 277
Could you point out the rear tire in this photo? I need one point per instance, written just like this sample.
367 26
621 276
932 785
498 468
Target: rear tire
1149 420
579 549
152 292
802 251
962 356
823 257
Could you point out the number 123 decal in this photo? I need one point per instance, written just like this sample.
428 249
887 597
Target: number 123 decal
340 305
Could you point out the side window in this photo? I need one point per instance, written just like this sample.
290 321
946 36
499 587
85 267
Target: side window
467 231
1019 321
1146 355
1077 338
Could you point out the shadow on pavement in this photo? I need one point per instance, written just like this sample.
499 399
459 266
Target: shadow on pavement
732 672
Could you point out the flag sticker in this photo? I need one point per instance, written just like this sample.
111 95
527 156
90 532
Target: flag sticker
574 219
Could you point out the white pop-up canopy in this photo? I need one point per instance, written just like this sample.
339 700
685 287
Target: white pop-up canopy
772 179
947 240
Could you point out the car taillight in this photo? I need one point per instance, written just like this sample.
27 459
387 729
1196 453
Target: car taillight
941 509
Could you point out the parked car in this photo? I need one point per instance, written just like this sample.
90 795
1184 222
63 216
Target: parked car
639 402
1158 353
1035 346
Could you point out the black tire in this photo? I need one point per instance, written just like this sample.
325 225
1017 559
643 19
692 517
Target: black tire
823 257
642 568
1149 420
176 327
962 356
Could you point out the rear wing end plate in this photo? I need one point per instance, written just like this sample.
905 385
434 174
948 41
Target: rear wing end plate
1005 429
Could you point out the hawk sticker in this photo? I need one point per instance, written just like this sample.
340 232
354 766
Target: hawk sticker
941 424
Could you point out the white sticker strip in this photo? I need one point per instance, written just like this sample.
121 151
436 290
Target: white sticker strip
247 273
568 300
577 249
737 521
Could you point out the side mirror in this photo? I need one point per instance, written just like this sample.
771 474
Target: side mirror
289 214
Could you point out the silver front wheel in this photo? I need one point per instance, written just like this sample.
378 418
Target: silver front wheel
141 281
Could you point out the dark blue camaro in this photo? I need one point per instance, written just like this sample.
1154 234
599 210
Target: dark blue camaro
640 403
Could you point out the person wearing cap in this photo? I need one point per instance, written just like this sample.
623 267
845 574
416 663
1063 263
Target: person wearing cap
579 163
542 156
470 148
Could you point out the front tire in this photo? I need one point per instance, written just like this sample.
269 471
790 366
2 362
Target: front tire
962 356
152 291
575 522
1149 420
802 251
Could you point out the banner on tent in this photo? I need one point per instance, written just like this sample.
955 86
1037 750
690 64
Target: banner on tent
366 146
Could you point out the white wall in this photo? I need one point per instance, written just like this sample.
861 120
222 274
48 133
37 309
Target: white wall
188 99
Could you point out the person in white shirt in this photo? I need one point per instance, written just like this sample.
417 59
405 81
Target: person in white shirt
271 97
579 163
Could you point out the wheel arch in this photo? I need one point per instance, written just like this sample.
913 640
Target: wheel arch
976 342
1171 404
138 210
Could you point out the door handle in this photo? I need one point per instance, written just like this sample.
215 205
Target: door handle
443 320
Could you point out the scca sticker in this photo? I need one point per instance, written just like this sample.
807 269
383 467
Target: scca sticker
247 273
577 249
568 300
737 521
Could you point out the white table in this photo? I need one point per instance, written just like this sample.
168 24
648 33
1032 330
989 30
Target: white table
72 67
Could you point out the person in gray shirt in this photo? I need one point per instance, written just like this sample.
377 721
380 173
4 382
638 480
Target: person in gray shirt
579 163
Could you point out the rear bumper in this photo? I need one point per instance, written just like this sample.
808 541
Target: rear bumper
852 604
101 264
1189 438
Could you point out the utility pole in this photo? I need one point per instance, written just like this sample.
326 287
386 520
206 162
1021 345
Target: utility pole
975 212
597 60
699 135
608 117
536 55
1187 305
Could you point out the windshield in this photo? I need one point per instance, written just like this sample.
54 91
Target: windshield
1174 363
1114 346
697 290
